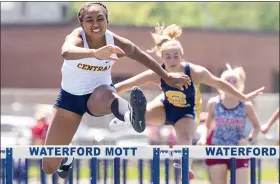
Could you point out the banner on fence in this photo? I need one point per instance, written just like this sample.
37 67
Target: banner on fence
144 152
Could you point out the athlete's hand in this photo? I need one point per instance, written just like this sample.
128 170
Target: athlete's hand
177 80
265 128
254 94
106 52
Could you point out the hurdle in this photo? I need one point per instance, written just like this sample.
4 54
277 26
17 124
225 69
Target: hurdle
154 153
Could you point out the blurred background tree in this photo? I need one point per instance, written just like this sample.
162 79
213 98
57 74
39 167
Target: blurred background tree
221 15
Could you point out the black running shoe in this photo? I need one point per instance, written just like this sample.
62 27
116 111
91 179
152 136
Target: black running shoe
65 167
137 107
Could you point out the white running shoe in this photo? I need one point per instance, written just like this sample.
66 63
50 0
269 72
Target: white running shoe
117 124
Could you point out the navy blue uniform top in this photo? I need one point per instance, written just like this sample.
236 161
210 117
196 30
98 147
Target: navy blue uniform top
183 103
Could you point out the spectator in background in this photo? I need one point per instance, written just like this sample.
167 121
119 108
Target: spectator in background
39 130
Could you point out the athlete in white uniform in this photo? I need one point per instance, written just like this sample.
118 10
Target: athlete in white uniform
80 77
89 53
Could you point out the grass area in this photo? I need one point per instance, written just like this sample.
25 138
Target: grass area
268 174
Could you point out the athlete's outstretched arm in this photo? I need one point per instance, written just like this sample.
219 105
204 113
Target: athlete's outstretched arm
265 128
139 80
135 53
72 48
202 75
252 116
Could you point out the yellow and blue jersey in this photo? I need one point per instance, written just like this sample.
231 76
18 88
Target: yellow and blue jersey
179 104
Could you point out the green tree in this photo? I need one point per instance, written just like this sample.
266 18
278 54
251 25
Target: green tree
223 15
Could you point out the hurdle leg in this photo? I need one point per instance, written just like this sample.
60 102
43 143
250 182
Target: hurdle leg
93 172
166 163
259 171
26 167
111 174
124 171
42 174
3 170
105 171
176 172
233 171
98 169
18 171
117 171
278 170
70 178
78 161
140 168
185 166
156 166
9 166
253 170
54 178
22 170
151 171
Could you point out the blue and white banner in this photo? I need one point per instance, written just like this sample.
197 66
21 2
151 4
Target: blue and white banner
144 152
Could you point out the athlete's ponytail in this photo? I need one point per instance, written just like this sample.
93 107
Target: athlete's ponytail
162 36
239 73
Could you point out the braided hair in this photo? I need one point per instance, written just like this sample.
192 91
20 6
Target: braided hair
85 8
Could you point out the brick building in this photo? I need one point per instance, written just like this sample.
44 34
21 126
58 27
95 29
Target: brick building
30 55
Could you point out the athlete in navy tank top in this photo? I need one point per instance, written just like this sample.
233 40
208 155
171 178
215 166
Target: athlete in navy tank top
179 104
177 108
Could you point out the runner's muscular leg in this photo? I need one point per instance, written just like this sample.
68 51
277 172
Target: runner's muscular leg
63 127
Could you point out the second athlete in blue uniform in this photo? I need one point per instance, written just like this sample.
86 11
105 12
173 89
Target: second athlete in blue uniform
179 108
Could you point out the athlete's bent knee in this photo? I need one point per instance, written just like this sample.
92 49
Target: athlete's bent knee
49 166
103 94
